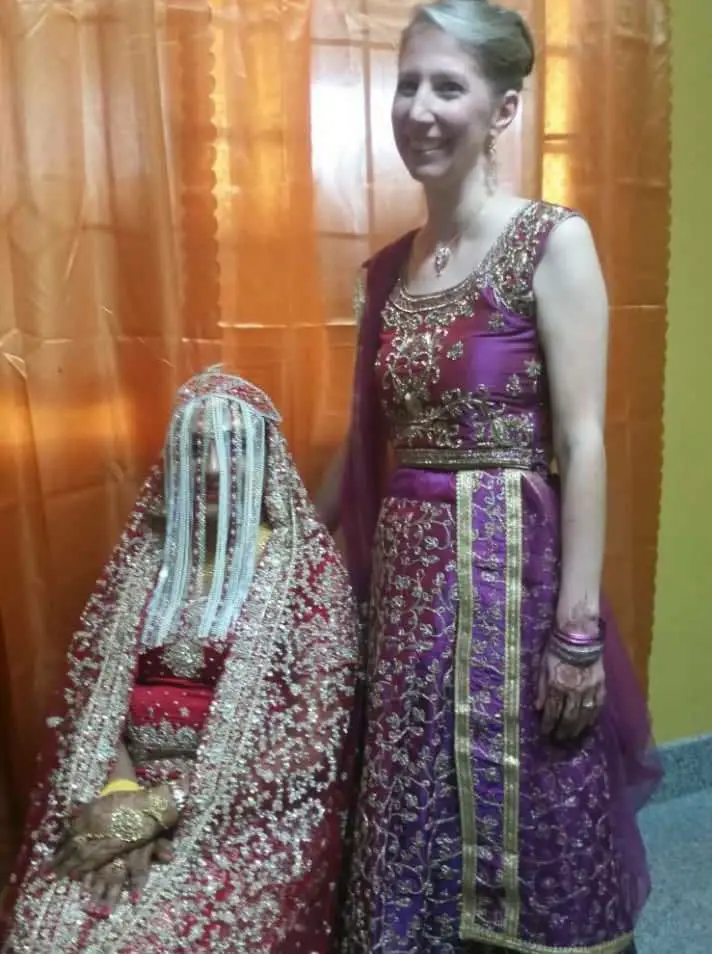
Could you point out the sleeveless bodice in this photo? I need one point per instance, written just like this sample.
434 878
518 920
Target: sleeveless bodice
461 373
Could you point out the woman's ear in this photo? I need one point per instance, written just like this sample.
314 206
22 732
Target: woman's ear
506 111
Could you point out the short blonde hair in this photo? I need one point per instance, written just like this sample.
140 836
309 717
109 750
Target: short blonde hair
497 37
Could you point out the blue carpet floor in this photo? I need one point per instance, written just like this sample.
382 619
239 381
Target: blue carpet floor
678 918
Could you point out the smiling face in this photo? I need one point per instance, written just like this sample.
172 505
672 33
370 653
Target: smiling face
444 110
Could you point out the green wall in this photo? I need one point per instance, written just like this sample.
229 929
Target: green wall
681 665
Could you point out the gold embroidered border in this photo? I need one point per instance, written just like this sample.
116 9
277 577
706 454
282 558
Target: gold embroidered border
358 298
618 945
484 457
512 695
87 765
469 929
466 485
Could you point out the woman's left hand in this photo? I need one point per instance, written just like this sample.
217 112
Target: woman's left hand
570 697
129 871
107 884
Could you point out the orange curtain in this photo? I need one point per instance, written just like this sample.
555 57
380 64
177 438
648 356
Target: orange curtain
186 181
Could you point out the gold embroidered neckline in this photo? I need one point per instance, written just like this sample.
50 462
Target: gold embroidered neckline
431 299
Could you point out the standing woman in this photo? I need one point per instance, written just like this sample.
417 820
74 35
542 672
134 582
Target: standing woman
507 745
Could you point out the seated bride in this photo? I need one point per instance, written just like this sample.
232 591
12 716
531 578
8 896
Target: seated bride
195 787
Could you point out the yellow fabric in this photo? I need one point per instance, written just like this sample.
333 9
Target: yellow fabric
120 785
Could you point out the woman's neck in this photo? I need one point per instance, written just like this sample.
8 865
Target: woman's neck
455 209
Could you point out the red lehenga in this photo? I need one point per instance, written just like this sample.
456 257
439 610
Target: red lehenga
262 722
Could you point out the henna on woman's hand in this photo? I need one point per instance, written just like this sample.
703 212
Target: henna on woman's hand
129 872
110 827
566 677
570 697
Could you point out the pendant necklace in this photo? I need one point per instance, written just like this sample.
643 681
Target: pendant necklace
443 254
443 250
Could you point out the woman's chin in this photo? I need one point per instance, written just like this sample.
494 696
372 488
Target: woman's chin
429 172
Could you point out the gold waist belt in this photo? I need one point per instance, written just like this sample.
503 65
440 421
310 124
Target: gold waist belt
468 458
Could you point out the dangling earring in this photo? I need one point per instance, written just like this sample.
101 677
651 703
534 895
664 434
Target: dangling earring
491 178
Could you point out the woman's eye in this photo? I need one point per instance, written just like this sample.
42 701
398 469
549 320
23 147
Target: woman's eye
449 88
407 87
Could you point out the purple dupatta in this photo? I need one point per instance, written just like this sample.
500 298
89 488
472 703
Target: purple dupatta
366 456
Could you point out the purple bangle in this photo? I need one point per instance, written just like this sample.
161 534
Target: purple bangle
577 639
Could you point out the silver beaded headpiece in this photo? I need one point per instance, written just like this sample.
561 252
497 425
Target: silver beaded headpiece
231 414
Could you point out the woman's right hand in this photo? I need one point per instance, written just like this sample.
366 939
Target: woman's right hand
92 840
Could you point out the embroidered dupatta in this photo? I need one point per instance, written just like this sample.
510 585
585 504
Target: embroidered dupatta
366 453
258 847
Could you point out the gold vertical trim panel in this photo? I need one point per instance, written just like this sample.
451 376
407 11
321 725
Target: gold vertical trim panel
466 483
512 700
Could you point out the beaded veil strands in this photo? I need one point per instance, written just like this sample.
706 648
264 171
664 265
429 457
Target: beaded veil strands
237 431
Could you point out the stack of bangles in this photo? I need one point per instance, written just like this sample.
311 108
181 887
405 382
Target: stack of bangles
579 648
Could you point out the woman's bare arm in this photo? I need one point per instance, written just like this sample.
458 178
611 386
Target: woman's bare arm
572 309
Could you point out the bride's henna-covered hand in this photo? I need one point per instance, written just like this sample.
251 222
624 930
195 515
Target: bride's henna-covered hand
128 872
138 863
112 826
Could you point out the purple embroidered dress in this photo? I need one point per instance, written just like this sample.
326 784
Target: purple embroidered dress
471 826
